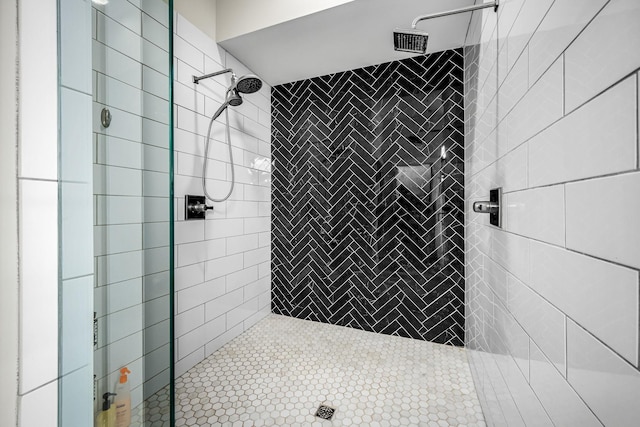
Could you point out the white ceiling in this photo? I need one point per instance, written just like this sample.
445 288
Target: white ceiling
353 35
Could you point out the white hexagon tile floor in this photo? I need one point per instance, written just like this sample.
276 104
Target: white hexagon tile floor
281 370
153 412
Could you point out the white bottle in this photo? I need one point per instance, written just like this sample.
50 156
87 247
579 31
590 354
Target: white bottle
122 402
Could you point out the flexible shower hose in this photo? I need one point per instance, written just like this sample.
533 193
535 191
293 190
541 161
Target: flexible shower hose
206 158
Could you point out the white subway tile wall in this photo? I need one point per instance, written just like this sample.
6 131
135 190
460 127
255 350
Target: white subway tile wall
40 407
55 211
38 142
553 297
223 263
76 208
39 283
131 194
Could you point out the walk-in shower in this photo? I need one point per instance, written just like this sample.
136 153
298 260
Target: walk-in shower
366 233
347 255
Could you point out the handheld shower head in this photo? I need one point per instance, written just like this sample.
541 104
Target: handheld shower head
233 98
246 84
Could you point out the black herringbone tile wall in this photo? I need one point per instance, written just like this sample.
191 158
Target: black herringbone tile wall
367 203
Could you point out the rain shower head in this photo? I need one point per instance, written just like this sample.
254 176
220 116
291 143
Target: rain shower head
415 41
411 40
246 84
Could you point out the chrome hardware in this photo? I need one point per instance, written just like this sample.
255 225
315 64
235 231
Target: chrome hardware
105 117
195 207
197 79
495 4
199 209
485 207
492 207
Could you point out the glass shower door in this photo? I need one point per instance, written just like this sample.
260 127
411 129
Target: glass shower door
129 211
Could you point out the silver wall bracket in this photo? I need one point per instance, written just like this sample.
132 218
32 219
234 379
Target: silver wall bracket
493 4
196 79
492 207
195 207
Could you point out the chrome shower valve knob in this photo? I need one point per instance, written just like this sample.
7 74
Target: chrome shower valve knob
195 207
492 207
200 208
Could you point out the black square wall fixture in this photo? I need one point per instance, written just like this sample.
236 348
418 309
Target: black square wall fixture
367 206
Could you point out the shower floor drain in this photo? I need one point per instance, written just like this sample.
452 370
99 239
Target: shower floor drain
325 412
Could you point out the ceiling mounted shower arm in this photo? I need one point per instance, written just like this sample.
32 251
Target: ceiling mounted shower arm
217 73
493 4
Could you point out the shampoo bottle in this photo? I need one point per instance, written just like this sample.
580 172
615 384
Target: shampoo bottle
107 418
122 401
